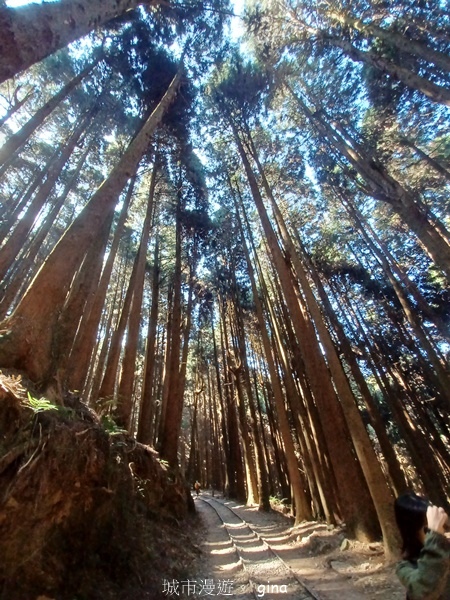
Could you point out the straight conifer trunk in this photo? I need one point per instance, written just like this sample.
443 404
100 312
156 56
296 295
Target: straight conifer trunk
381 495
404 43
435 92
125 391
359 510
12 247
170 431
33 323
84 344
147 413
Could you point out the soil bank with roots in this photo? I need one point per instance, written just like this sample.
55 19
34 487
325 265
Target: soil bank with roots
84 513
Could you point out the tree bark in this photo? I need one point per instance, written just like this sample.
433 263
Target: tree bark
432 234
168 444
84 344
12 247
18 139
125 389
409 78
30 33
32 325
418 49
17 105
146 416
359 509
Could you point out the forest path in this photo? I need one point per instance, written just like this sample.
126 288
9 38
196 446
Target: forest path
311 550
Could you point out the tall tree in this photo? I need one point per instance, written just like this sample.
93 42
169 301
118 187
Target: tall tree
20 137
32 323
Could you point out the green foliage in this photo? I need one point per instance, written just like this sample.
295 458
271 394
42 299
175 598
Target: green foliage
38 405
238 88
278 503
111 426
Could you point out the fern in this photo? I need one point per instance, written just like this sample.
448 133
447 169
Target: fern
38 405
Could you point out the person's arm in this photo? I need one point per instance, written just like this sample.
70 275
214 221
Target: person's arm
428 579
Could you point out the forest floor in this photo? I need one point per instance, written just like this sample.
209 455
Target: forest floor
333 567
103 520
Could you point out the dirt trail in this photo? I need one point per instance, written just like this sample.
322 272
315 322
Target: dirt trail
312 550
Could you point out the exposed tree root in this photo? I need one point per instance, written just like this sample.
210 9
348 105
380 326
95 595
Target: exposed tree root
78 505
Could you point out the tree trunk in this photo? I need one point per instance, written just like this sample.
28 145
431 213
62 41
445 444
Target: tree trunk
186 330
359 510
146 416
323 479
264 500
125 390
85 283
409 78
382 498
32 325
170 433
302 509
18 139
435 164
388 263
396 399
30 33
108 386
84 344
395 472
236 476
17 105
431 233
229 476
16 205
418 49
12 247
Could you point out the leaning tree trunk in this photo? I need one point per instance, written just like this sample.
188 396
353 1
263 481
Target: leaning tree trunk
108 386
396 399
13 207
322 479
17 105
393 467
12 247
30 33
371 467
433 162
430 232
18 139
32 324
433 91
388 262
84 284
416 48
264 500
84 343
301 506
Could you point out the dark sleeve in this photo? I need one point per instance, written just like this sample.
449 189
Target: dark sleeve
427 580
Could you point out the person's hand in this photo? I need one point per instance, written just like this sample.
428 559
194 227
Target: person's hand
436 518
